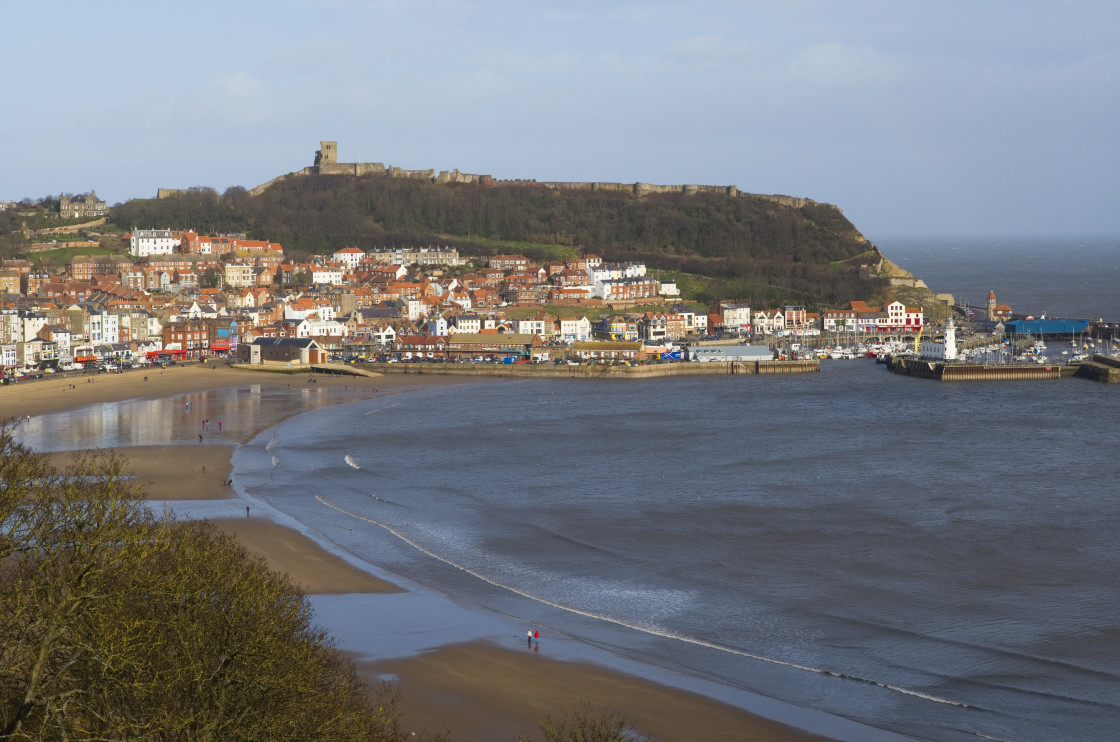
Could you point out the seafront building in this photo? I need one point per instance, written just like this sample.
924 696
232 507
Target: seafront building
182 295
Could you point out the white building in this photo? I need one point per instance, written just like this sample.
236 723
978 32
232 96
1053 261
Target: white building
102 327
348 257
415 309
9 355
897 316
29 325
932 350
383 334
466 323
769 321
735 316
614 271
326 330
572 329
437 326
330 276
144 242
531 327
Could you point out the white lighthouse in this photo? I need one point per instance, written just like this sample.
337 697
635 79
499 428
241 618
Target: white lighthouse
943 350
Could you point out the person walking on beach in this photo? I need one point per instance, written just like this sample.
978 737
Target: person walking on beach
246 509
530 637
219 426
200 437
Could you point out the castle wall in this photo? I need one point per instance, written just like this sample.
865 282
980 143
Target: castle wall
350 168
396 172
455 176
325 164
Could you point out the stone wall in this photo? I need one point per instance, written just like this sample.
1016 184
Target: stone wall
591 371
326 164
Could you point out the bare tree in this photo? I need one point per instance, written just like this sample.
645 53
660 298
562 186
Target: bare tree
116 623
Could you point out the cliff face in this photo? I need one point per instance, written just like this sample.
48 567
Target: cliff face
896 275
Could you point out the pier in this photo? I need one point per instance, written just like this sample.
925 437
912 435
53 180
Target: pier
1100 368
940 371
601 371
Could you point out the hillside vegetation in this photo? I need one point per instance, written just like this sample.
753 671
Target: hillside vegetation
765 250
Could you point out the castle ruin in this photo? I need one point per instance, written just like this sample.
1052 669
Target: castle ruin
326 163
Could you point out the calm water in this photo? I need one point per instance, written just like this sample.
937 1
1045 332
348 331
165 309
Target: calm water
932 558
1078 279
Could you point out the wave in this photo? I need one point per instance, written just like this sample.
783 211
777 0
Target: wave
350 462
1024 657
635 627
382 409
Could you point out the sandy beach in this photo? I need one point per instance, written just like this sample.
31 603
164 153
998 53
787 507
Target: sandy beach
477 691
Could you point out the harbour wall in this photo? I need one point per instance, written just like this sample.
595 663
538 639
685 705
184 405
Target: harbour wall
1102 368
591 371
973 372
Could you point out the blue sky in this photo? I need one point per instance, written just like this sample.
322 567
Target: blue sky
918 119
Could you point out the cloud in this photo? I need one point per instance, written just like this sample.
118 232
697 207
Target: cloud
714 49
833 63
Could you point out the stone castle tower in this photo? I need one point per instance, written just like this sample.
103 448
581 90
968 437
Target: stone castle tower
327 154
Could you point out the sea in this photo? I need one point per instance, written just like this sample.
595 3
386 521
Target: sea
931 560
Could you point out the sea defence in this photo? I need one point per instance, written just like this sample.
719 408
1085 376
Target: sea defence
977 372
594 371
1101 368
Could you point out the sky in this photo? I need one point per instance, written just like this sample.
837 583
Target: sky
918 118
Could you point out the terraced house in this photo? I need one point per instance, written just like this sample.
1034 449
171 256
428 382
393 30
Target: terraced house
193 337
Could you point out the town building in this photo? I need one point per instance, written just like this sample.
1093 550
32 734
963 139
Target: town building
145 242
81 206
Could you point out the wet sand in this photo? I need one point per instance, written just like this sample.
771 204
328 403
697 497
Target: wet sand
174 472
312 567
477 691
54 394
482 692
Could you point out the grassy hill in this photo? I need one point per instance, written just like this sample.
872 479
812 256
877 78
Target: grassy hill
751 248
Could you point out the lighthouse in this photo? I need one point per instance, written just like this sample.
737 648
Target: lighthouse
951 340
991 306
945 350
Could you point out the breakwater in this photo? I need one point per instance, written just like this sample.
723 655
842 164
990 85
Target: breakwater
976 372
1101 368
591 371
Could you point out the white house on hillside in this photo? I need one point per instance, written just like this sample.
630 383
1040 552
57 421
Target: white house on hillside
348 257
144 242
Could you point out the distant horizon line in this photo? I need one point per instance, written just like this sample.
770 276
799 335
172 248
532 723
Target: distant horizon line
958 237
